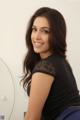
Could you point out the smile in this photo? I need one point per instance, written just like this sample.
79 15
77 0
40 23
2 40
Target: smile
37 44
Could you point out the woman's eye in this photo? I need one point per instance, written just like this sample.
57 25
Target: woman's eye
46 31
34 29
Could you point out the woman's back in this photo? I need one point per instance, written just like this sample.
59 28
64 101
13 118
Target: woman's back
64 91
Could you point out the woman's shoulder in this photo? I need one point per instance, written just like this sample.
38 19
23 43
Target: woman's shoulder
45 65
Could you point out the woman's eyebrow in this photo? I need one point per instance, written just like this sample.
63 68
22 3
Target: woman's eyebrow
44 27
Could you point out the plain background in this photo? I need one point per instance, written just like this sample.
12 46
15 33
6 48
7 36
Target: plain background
14 17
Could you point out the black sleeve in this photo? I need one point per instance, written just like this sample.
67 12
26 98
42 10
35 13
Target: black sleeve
45 66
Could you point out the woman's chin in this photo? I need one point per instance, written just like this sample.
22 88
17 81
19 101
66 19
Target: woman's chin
37 51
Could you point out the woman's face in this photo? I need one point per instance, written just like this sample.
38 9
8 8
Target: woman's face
40 36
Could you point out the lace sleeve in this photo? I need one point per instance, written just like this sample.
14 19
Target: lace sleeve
45 66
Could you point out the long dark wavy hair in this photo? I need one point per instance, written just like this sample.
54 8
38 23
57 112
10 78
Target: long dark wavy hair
57 41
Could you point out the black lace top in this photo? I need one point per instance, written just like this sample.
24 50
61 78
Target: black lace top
45 66
64 91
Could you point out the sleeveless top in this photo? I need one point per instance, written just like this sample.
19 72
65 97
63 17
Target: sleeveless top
64 91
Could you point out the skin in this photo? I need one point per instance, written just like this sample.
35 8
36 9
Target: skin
40 36
41 82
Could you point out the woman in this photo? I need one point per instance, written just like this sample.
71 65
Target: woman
48 77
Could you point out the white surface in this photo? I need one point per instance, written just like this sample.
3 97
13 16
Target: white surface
7 91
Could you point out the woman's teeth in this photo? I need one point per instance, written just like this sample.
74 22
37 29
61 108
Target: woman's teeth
37 44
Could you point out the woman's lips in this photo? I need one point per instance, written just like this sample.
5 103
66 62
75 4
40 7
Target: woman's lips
37 44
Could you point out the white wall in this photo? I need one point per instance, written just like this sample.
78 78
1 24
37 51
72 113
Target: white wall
14 15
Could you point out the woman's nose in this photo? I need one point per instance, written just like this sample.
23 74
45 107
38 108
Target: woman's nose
38 35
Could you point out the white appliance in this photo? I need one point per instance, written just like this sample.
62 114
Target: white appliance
7 91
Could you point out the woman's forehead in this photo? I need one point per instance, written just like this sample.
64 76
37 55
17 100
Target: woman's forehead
41 22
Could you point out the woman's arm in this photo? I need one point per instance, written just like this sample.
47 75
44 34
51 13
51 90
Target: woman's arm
40 87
